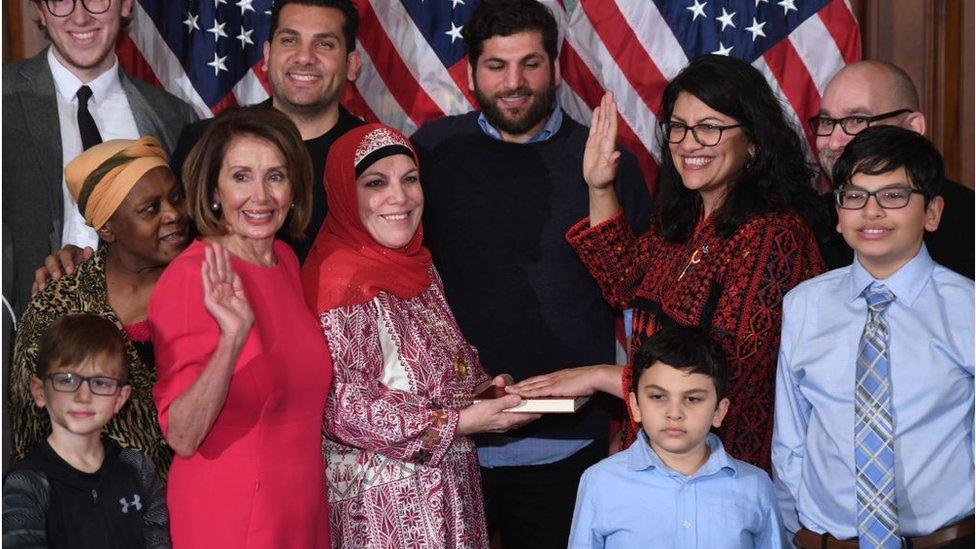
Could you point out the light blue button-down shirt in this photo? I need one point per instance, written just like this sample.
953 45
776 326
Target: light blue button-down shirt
931 347
632 499
550 128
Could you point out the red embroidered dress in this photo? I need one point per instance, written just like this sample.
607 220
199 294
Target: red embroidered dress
398 476
734 285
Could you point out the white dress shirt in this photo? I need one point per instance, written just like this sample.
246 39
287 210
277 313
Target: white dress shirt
110 108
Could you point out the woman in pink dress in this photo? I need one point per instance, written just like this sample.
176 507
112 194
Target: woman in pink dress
243 370
401 469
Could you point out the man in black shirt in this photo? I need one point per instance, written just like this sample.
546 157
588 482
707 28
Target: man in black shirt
309 57
869 93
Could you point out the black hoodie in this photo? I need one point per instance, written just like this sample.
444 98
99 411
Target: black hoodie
49 503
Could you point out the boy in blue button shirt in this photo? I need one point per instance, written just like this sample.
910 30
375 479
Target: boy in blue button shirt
873 436
675 486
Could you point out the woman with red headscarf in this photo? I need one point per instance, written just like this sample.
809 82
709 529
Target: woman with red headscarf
400 467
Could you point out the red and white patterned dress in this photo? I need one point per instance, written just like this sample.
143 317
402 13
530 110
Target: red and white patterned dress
733 287
398 476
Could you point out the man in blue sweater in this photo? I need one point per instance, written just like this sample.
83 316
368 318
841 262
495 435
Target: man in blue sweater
502 185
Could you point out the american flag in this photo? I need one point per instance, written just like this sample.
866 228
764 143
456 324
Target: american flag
209 52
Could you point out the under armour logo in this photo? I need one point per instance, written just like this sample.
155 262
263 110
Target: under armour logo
135 503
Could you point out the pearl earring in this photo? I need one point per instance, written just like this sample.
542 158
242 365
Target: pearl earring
214 206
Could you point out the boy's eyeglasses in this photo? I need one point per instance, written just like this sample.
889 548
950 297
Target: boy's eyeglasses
889 198
66 382
63 8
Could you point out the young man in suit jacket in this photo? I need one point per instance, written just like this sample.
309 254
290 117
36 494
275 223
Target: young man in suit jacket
46 123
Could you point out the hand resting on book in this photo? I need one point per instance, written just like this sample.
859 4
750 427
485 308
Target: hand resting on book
572 382
489 416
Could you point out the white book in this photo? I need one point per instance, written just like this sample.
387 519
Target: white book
544 405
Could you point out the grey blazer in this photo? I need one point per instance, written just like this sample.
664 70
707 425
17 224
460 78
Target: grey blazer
33 206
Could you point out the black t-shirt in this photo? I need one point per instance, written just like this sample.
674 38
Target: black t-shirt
318 149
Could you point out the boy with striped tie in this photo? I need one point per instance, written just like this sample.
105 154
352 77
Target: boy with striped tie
873 436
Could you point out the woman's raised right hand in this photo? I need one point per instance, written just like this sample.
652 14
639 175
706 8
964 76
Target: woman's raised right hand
601 157
223 294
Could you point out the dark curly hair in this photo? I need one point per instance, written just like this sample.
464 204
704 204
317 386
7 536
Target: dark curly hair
778 177
507 17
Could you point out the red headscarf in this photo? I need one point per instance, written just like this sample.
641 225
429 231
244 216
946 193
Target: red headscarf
346 265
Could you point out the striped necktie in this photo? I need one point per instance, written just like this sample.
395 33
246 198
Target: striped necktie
874 433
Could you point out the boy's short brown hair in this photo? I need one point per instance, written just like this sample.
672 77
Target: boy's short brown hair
76 338
202 167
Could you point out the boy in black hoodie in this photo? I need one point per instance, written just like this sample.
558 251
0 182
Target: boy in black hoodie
78 489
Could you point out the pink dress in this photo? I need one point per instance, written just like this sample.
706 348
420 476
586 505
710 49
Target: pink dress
257 478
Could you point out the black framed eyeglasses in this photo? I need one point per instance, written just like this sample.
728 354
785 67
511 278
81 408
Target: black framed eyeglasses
707 135
823 126
63 8
889 198
67 382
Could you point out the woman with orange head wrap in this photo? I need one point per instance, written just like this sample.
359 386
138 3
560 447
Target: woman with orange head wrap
125 191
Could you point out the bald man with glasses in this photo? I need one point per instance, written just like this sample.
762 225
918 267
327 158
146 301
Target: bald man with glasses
875 93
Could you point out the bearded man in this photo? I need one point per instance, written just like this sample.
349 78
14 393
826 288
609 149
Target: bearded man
502 185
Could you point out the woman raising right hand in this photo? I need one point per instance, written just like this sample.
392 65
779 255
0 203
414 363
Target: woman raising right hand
730 235
240 393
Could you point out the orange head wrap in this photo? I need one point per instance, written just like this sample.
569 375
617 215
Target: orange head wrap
101 177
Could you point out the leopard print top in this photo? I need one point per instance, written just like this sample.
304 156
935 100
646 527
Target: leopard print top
85 291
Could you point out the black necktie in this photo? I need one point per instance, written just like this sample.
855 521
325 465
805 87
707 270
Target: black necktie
86 124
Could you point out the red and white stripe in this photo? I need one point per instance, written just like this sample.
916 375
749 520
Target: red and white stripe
623 46
381 101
